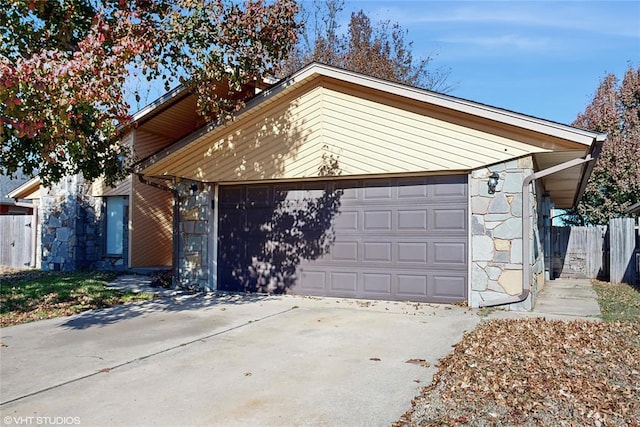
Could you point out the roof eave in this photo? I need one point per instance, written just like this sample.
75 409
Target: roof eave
314 69
488 112
594 151
23 191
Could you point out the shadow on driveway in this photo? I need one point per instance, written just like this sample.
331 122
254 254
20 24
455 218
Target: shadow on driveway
229 360
181 302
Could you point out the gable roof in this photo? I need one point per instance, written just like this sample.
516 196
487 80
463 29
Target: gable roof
27 190
8 185
414 131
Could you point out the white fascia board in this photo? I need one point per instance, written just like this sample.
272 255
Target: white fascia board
15 193
140 114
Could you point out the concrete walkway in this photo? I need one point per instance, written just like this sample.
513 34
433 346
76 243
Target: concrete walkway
561 299
140 283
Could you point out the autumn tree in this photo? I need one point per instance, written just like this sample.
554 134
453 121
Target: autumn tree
614 184
379 50
64 63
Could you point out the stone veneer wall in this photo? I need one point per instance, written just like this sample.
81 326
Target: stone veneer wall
193 252
496 234
72 235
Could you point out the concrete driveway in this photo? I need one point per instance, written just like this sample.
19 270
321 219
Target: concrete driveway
231 360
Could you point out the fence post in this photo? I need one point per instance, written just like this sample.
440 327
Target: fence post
621 249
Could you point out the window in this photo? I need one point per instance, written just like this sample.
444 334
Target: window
114 225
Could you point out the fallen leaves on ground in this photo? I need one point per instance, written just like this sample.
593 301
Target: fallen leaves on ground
536 372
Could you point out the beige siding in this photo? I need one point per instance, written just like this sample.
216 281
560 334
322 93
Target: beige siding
368 134
151 224
262 146
147 143
100 189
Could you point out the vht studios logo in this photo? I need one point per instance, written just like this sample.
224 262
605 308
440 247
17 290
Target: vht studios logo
41 420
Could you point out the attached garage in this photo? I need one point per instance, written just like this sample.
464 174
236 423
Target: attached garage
333 183
397 238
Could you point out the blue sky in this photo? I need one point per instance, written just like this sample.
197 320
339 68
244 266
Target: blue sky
542 58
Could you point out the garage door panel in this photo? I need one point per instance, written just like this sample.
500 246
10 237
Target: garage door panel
287 192
448 288
412 252
378 220
378 189
389 238
350 190
411 286
347 220
258 195
412 219
313 280
445 187
413 189
344 282
454 253
377 283
344 251
377 251
450 220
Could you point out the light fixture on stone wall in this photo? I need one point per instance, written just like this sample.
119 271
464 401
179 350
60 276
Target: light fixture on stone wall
193 188
493 182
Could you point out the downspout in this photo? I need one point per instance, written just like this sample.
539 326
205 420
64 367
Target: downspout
526 222
176 222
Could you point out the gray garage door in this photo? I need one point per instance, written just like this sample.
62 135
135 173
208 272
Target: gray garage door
398 239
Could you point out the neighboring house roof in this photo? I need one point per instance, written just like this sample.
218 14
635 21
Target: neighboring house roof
350 115
634 209
28 190
7 185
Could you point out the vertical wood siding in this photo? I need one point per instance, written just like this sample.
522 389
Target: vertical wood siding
151 225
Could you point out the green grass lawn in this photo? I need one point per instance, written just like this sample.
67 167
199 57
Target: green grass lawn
28 296
619 302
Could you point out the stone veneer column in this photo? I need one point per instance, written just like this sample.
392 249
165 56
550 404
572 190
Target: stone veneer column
193 271
71 234
496 232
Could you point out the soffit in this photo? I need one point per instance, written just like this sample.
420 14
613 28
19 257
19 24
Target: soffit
562 186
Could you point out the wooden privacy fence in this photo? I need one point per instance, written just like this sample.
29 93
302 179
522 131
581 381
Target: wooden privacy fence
601 252
624 248
578 252
16 241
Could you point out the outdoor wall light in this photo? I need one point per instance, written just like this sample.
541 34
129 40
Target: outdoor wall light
493 182
193 188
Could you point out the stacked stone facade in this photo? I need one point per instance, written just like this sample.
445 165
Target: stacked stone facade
72 230
496 234
193 251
